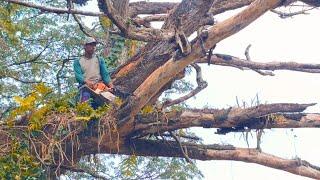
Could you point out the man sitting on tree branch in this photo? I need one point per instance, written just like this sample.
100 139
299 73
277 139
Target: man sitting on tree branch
92 71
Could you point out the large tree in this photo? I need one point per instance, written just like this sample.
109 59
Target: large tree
39 41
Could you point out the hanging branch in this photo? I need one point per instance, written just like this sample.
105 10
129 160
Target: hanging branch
81 26
183 150
201 85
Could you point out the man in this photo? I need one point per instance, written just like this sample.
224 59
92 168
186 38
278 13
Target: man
91 70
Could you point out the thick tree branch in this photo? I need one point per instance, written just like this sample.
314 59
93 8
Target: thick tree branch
145 21
216 152
129 31
122 7
220 31
144 7
262 116
134 8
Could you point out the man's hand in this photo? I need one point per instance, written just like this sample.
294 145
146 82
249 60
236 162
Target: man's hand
110 87
89 83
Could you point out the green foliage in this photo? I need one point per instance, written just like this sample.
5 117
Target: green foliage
40 47
29 105
137 167
134 167
86 112
19 164
117 46
8 26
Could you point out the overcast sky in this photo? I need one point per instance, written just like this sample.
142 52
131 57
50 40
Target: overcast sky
273 39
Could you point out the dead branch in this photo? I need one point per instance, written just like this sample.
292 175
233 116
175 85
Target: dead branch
262 116
201 85
227 60
183 150
183 136
249 59
291 14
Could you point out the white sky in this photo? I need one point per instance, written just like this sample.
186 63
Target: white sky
273 39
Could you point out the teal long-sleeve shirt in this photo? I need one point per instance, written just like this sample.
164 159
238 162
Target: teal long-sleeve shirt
79 74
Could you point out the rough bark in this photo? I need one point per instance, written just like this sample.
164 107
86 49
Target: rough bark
153 55
217 152
228 120
143 7
164 74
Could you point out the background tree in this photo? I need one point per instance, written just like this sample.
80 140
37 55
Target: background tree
43 128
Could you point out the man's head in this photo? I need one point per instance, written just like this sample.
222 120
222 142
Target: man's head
90 46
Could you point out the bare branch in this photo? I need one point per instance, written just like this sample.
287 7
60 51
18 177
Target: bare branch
201 85
31 60
247 53
291 14
81 26
21 80
183 151
183 136
249 59
227 60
